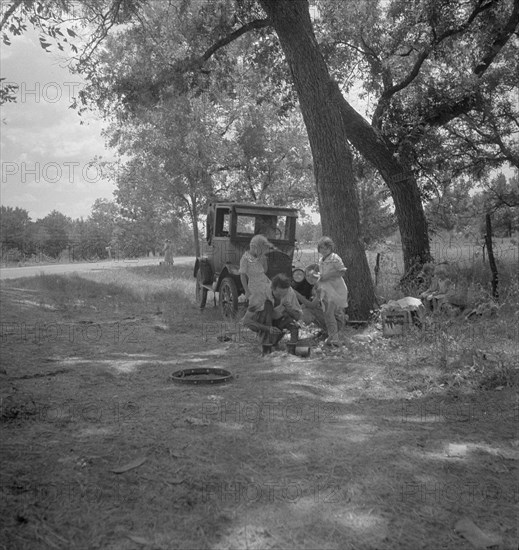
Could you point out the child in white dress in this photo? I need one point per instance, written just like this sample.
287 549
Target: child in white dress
332 288
253 271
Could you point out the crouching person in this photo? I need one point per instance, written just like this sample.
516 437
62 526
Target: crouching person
280 312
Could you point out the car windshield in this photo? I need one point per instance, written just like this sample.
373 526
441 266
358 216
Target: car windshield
272 226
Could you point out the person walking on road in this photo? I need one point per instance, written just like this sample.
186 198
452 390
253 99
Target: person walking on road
168 253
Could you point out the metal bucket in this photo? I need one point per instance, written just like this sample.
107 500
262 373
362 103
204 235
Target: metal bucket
300 351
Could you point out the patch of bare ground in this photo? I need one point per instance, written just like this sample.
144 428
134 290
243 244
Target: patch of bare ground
384 444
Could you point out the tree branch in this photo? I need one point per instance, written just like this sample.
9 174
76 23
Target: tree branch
447 112
12 8
490 138
366 138
195 62
435 42
256 24
352 46
411 76
137 91
109 19
499 42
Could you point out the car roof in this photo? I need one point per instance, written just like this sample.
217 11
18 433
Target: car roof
265 208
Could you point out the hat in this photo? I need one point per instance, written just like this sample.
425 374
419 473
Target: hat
312 274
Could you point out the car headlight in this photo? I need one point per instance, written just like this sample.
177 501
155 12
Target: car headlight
298 275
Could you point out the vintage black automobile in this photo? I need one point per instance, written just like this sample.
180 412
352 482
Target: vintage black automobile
230 227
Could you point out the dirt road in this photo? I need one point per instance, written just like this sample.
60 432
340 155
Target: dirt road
31 270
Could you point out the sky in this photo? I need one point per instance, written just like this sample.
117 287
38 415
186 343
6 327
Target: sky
48 159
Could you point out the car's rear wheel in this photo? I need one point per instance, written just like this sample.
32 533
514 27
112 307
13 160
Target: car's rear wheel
228 297
200 291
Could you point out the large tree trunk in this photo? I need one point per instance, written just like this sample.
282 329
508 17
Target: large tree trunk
332 157
397 176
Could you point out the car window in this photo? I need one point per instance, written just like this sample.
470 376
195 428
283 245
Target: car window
272 226
245 225
223 223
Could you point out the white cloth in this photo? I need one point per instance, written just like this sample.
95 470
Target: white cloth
408 304
258 282
335 289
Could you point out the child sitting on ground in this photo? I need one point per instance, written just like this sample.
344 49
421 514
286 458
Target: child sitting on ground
441 297
425 278
427 295
437 294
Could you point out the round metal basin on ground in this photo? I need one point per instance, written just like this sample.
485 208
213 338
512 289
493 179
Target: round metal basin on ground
201 375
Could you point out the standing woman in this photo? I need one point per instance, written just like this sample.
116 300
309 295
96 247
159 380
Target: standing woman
332 288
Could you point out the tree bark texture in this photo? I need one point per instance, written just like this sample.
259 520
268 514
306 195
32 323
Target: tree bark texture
491 258
336 188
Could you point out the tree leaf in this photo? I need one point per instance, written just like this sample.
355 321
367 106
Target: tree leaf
44 44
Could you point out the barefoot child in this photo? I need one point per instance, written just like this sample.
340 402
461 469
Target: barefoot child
332 288
437 293
441 297
253 271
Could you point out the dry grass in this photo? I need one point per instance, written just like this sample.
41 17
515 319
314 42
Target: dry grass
466 267
345 450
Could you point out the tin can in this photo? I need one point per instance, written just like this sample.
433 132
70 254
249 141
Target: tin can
300 351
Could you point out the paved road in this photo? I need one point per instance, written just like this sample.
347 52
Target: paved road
32 270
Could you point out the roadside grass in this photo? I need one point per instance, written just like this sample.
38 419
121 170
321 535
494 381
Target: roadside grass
70 286
146 284
456 353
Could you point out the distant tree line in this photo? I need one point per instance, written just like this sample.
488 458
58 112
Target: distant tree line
57 236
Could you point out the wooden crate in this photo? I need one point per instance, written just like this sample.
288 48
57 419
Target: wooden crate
395 322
